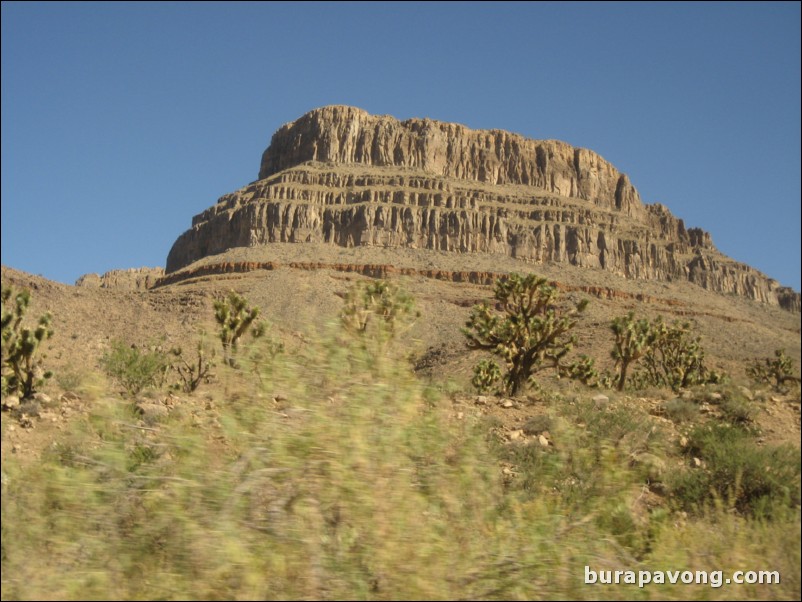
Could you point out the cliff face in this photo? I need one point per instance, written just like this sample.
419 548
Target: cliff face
341 176
347 135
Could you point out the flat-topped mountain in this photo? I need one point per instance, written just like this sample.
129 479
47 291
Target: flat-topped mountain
343 177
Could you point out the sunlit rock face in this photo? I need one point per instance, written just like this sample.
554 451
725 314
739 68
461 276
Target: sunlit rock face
341 176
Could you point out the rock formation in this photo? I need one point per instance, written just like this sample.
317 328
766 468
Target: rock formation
133 279
341 176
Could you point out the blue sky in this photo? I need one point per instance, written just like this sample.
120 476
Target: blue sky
122 121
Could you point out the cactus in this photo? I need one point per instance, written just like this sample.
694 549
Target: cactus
775 372
485 375
675 358
632 340
22 369
235 318
530 333
193 372
377 309
584 370
671 356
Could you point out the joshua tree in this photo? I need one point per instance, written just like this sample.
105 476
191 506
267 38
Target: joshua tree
632 341
377 309
21 368
530 332
776 372
235 318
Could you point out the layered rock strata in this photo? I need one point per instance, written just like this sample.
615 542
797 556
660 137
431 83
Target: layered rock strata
341 176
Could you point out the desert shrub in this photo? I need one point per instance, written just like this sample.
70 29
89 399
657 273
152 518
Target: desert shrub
21 362
529 333
235 318
584 370
754 480
70 379
364 489
135 369
777 371
681 410
360 486
738 410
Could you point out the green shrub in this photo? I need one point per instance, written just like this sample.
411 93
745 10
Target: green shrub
738 410
736 471
529 334
70 379
134 369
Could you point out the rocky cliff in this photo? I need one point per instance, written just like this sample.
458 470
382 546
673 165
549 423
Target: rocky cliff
341 176
132 279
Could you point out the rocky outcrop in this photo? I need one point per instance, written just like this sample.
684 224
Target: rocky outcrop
341 176
133 279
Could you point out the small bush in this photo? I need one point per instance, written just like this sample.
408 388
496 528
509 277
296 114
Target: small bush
737 410
133 369
70 379
681 410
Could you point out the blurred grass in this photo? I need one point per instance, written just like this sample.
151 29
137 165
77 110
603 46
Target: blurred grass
332 472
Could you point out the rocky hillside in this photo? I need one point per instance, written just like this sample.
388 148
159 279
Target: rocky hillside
343 177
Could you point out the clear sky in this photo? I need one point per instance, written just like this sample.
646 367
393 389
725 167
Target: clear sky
122 121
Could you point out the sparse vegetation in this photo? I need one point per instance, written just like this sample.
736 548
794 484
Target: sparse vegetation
530 332
681 410
21 360
312 474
